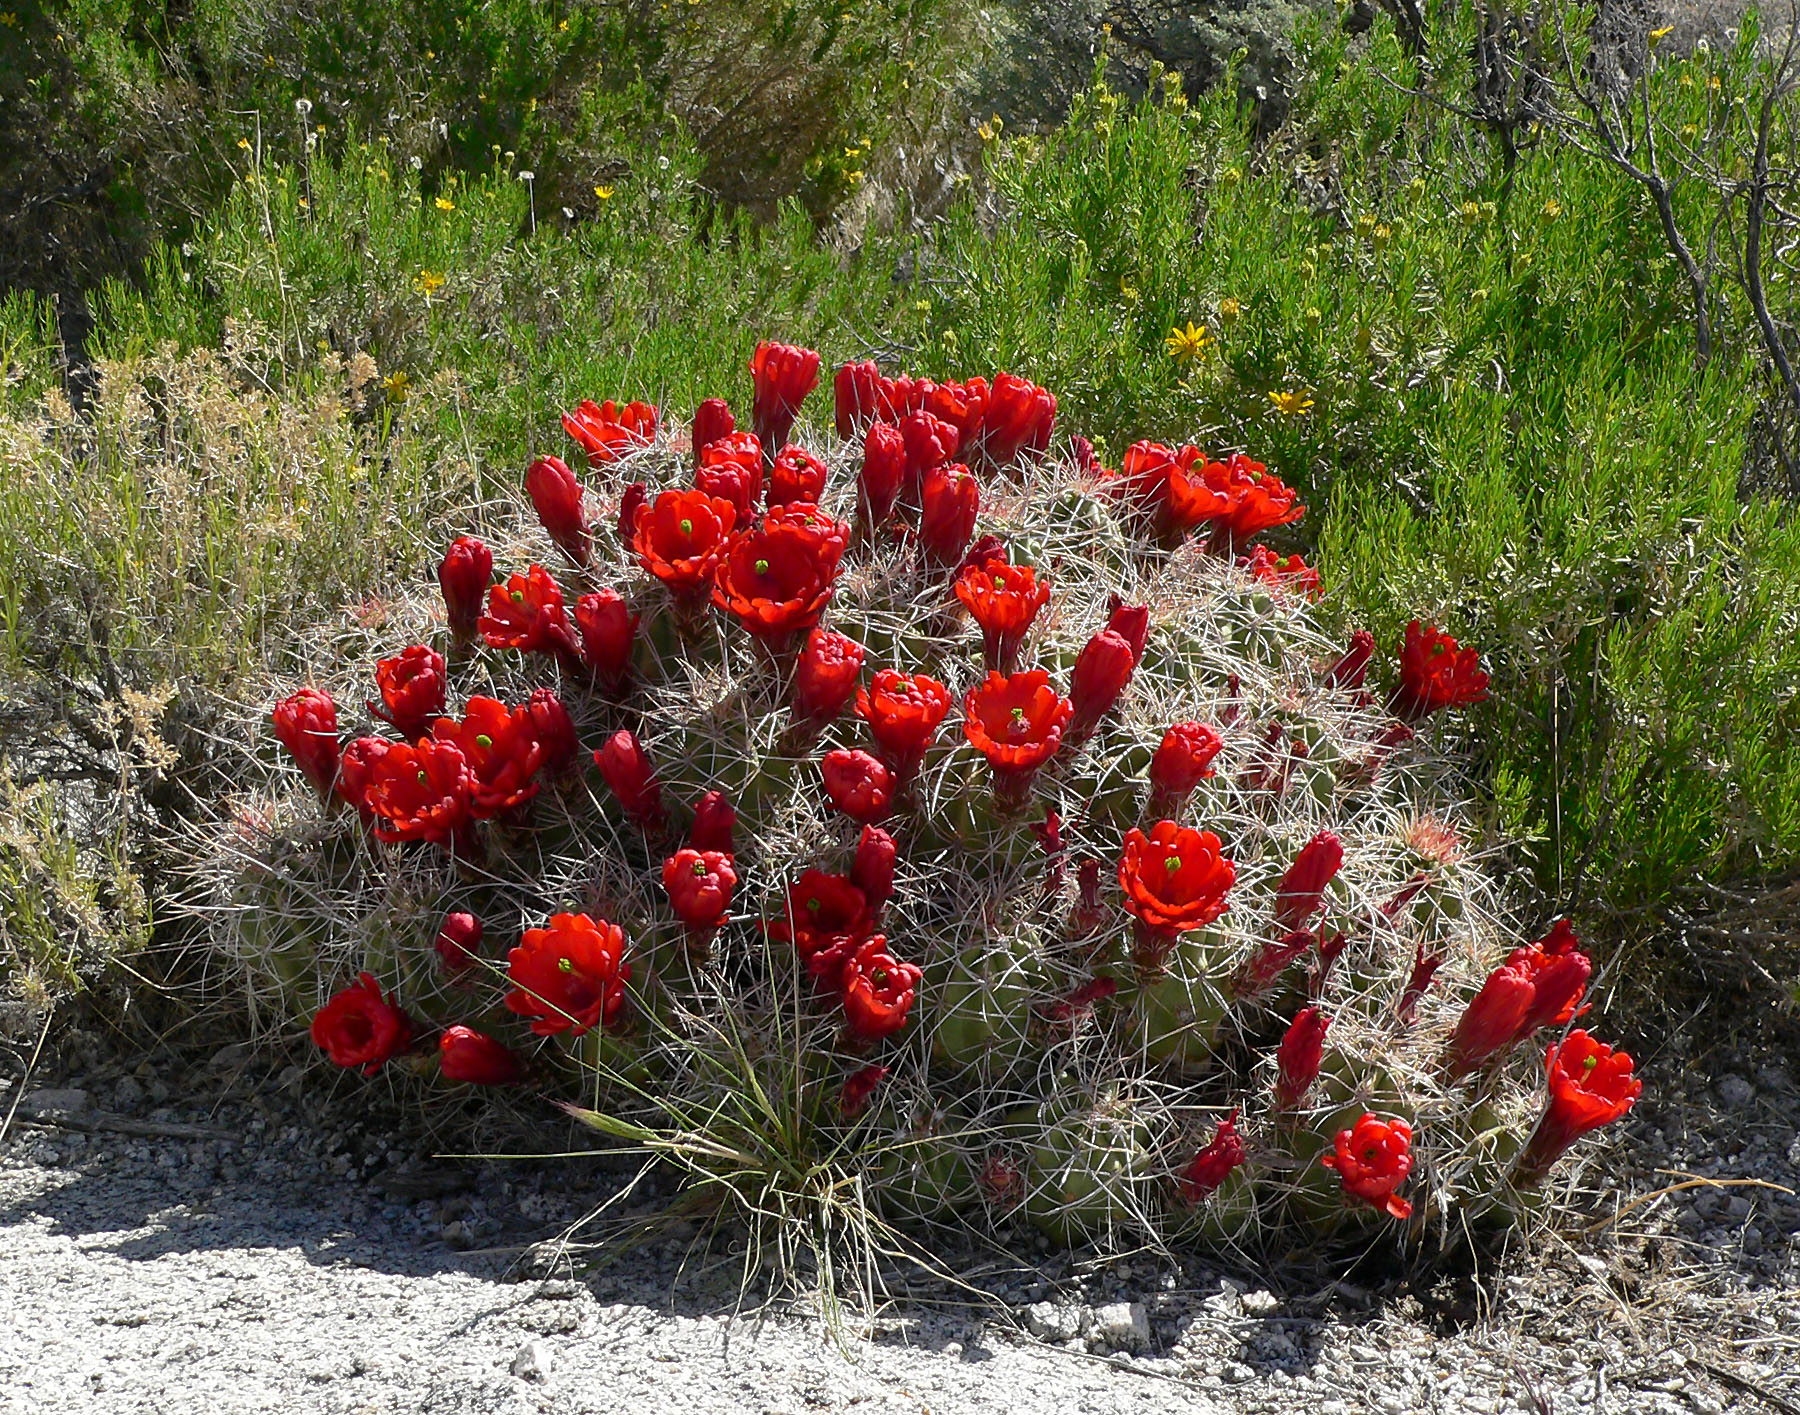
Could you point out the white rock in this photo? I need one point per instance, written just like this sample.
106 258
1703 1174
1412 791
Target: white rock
1121 1326
1053 1322
1260 1303
534 1361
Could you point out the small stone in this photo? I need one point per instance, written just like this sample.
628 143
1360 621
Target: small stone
1121 1326
47 1155
1236 1373
534 1361
63 1102
1735 1092
953 1349
1050 1321
1704 1402
458 1234
1260 1303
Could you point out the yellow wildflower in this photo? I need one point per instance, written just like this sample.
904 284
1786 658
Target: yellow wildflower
604 193
1657 36
1229 310
1291 403
1382 234
445 204
428 283
1552 209
396 384
1189 343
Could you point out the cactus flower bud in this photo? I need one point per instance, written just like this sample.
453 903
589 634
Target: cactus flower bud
464 576
556 496
1297 1059
625 765
1302 888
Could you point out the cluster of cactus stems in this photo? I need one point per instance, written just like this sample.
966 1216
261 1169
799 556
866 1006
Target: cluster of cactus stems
1007 814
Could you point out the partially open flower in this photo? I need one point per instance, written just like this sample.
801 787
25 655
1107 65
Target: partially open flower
502 751
949 503
634 496
700 885
1491 1022
712 420
607 431
873 869
825 676
1213 1165
569 977
476 1059
1559 973
796 476
1373 1159
903 711
306 722
459 942
556 496
1018 418
412 689
1003 599
526 613
1352 666
963 405
1259 500
422 792
883 473
360 1027
1283 572
1302 888
859 1089
1175 879
783 375
554 729
1435 673
930 443
1131 622
680 538
825 917
1181 763
608 631
1017 723
356 768
858 784
860 396
732 470
1591 1086
778 577
626 767
1102 671
464 576
1298 1058
878 991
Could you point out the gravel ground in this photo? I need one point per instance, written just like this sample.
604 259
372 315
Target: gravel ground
297 1257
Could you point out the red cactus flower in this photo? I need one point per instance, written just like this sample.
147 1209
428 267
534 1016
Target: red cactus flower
883 475
464 576
903 711
862 395
796 476
700 885
1171 488
608 631
949 503
412 689
1102 671
1003 599
627 770
459 942
1302 888
1591 1086
1559 974
712 421
356 768
825 676
1372 1160
476 1059
1491 1022
778 577
1131 622
502 750
1283 572
607 431
626 767
554 729
526 613
1213 1165
307 724
423 792
630 499
930 443
878 991
1175 879
825 917
732 470
1298 1057
858 784
1352 666
1435 673
715 824
1267 962
680 538
569 977
556 496
1017 723
872 871
1424 969
783 374
859 1089
1181 763
1018 418
1259 500
963 405
360 1027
